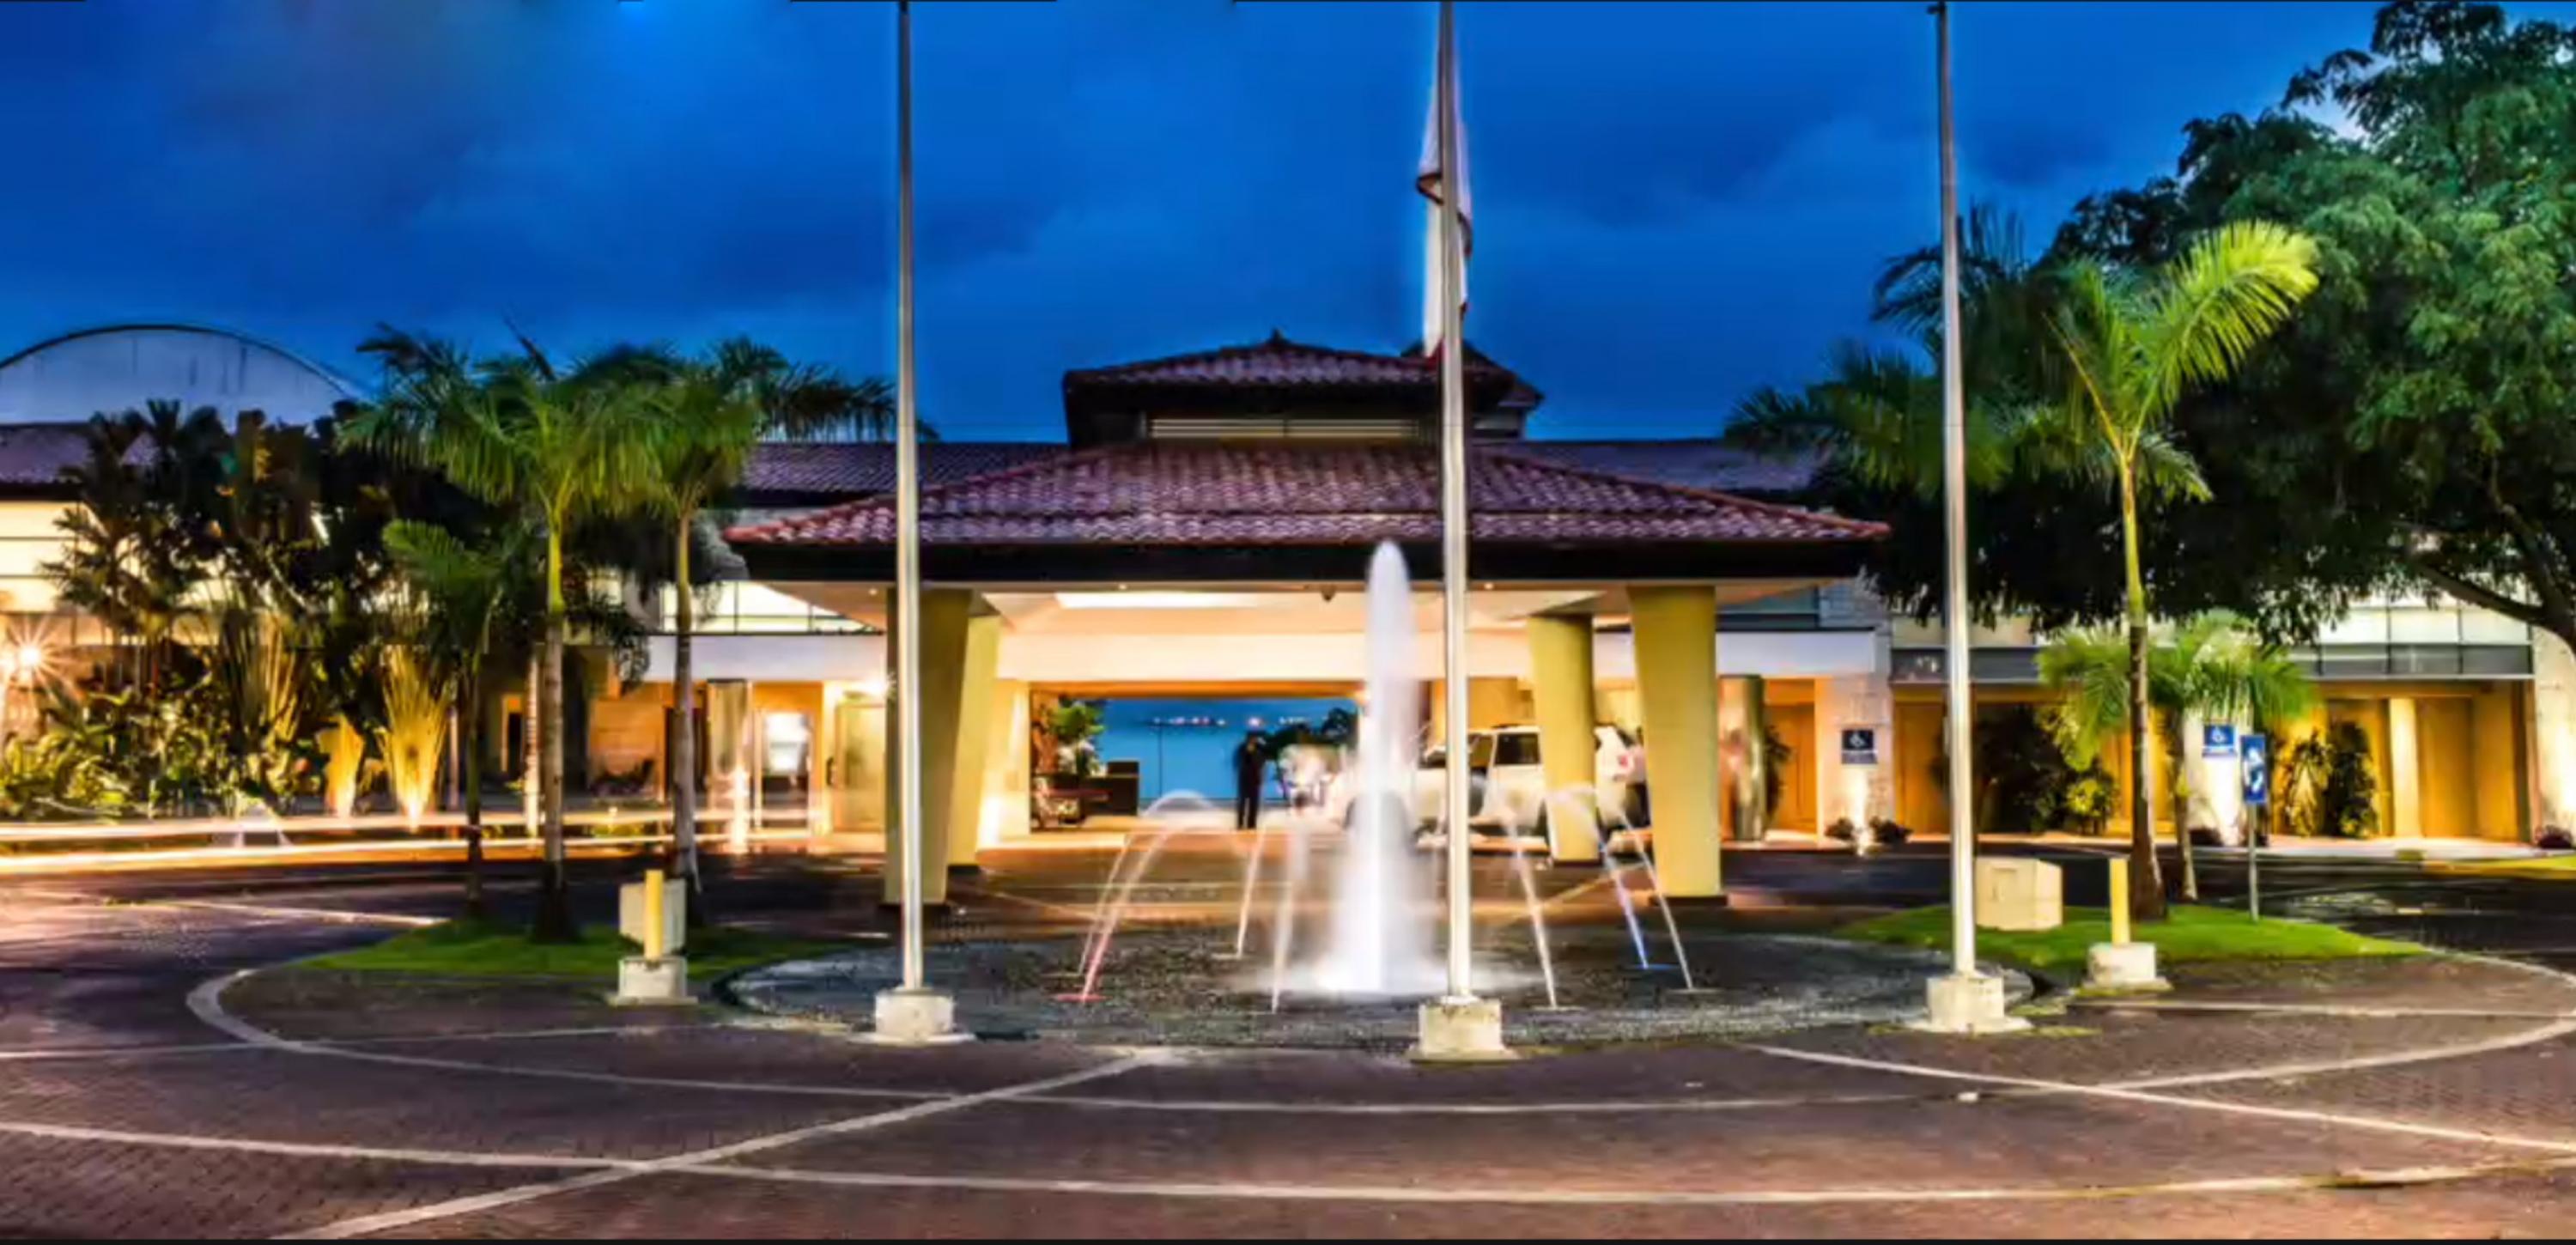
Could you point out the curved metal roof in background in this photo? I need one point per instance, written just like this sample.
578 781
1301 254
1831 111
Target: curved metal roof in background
121 367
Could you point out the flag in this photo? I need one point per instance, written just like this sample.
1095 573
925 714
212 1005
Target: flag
1433 182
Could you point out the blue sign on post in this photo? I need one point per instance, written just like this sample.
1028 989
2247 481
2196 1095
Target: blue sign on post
2217 742
2258 770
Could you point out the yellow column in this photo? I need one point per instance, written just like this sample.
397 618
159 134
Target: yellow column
977 700
956 647
1676 645
1561 681
2405 769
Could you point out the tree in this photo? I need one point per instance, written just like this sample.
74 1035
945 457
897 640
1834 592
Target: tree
706 415
556 446
2409 428
465 591
2132 346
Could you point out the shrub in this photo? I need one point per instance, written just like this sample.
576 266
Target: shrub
2555 839
2330 788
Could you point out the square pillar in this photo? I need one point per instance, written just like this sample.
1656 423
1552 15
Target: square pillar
2553 733
1676 644
958 649
1561 683
2405 770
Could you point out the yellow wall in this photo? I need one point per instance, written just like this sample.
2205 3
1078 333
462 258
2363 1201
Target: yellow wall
2496 756
2446 781
1920 804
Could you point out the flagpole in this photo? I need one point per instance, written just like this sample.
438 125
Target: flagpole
913 1013
1457 1026
1453 523
1966 1001
907 522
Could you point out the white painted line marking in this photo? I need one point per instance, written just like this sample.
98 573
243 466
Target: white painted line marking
1622 1197
391 1220
298 1149
206 1001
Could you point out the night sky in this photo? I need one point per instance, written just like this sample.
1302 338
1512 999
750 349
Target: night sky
1675 202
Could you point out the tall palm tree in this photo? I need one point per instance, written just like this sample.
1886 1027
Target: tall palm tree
2212 666
558 446
2132 345
707 413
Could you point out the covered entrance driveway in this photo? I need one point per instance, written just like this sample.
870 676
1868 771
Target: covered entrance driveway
1237 566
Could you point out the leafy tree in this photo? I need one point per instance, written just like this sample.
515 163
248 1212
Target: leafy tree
2409 428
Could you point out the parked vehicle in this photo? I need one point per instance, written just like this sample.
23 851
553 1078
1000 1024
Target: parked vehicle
1507 784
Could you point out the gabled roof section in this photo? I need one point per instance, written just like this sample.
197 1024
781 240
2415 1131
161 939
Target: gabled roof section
1277 373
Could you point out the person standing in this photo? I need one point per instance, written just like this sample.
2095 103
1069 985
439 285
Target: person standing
1251 759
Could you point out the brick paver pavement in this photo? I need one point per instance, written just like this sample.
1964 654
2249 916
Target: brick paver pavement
1681 1140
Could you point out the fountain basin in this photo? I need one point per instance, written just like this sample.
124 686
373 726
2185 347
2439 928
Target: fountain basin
1177 988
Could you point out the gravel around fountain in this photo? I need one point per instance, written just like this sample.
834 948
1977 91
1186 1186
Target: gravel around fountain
1179 988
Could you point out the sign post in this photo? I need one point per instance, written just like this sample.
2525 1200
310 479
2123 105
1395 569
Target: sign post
2256 752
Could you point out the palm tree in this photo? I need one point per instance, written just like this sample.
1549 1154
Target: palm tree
2220 671
2132 345
466 594
2212 666
707 414
558 447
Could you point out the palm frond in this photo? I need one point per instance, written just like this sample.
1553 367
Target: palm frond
2212 306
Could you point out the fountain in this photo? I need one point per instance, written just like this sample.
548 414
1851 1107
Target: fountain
1378 941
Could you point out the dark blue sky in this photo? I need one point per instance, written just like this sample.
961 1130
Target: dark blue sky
1675 201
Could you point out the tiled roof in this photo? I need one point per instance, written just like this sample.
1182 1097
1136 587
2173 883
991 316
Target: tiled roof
827 470
1700 462
1315 494
1281 363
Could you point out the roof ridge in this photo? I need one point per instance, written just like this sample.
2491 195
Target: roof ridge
1855 526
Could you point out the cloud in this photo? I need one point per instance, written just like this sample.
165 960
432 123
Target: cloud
1675 201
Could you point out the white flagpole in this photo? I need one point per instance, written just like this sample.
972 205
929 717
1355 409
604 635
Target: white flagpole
1954 473
1453 521
907 504
914 1013
1965 1001
1458 1025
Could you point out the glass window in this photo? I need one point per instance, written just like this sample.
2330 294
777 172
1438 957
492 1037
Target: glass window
1516 748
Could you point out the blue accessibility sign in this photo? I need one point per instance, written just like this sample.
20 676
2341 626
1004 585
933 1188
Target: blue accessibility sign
2217 741
2258 770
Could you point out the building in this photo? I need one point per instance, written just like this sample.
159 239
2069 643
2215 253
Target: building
1201 533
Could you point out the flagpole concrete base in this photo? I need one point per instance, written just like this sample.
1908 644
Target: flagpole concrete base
645 982
1461 1030
1968 1003
922 1017
2124 968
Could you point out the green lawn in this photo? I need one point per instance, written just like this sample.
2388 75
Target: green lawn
2191 933
486 949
